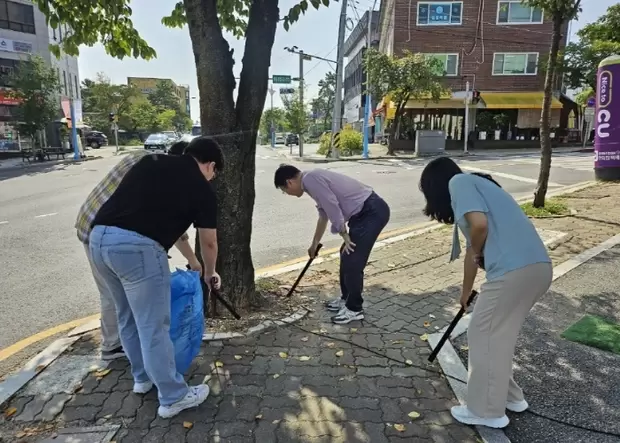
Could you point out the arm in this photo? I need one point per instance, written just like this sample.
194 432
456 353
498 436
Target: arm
470 269
478 230
327 201
208 249
182 244
321 225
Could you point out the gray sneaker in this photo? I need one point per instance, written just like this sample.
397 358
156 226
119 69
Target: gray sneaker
347 316
196 395
335 305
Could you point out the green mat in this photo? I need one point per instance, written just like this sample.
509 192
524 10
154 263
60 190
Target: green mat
596 332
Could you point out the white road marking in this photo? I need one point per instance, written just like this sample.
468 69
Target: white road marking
46 215
508 176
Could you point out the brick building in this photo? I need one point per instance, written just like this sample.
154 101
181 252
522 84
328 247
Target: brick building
498 46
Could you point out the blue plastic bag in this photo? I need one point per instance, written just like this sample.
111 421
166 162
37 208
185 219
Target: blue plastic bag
186 317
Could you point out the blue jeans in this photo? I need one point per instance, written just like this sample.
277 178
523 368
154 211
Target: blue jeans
135 270
364 229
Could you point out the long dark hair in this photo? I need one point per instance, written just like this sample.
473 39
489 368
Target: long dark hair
434 185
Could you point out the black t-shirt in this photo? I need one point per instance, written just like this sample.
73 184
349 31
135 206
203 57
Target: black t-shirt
160 197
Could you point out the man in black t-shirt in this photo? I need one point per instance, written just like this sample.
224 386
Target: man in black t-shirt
155 203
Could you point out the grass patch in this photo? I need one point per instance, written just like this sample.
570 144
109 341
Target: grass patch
595 332
553 207
269 284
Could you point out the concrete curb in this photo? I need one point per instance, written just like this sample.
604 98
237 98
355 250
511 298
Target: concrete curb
28 166
451 363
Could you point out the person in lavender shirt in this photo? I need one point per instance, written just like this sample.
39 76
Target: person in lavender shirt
341 200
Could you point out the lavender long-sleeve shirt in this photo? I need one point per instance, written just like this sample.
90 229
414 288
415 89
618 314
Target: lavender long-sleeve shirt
337 197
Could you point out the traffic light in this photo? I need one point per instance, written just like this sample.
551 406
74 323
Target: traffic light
112 117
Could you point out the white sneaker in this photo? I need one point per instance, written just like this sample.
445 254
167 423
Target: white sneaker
142 388
517 406
195 397
465 416
347 316
335 305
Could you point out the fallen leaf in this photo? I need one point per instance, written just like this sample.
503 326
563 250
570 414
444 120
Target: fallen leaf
107 416
10 412
399 427
427 324
391 265
431 315
304 338
39 368
464 348
353 329
219 364
258 417
322 331
409 362
331 344
419 391
238 357
283 355
102 373
188 424
396 342
339 353
315 331
424 337
21 434
304 358
413 415
276 375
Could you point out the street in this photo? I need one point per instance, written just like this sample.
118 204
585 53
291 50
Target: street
45 277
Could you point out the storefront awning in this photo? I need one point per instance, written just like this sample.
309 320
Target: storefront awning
517 100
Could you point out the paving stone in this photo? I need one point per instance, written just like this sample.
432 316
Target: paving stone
95 399
373 371
19 403
199 432
239 408
85 413
33 408
130 406
376 432
53 407
112 403
108 382
155 435
233 429
176 434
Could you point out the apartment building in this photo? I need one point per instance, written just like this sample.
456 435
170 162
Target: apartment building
497 46
354 72
24 32
148 84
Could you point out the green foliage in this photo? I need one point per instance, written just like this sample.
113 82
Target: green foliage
351 142
141 116
412 76
325 141
323 104
296 114
553 207
36 85
278 116
100 97
164 96
582 97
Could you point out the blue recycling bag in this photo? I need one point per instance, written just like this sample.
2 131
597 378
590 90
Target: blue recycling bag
186 317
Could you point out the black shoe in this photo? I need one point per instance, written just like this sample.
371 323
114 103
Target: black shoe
113 354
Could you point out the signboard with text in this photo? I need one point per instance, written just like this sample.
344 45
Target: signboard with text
281 79
15 46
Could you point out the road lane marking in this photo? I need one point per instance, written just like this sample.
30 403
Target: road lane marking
508 176
46 215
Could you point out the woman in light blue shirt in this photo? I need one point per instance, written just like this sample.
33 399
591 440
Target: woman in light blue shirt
501 240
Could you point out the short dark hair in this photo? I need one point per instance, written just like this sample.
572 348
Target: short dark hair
434 183
206 150
283 174
178 148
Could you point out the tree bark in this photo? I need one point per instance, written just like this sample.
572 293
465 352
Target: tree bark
545 117
235 128
394 128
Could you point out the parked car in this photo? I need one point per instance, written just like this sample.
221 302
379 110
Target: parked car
292 139
173 135
96 139
280 139
158 142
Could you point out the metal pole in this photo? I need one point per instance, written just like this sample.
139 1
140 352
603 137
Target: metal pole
301 100
337 116
466 135
116 136
367 107
272 135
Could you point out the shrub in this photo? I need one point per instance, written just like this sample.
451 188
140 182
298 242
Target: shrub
132 142
351 143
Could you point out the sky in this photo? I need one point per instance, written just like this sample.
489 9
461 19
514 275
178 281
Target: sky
315 33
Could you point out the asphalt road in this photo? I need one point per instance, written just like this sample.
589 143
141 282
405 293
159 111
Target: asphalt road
45 280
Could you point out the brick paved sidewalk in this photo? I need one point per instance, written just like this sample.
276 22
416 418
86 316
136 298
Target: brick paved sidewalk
315 384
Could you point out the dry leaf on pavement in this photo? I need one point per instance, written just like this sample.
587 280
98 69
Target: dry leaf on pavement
424 337
413 415
304 358
399 427
331 344
353 329
238 357
427 324
397 342
339 353
464 348
219 364
283 355
409 362
10 412
276 375
188 424
304 338
102 373
258 417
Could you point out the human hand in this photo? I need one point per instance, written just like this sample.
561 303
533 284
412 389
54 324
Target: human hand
348 246
479 260
195 265
464 300
217 284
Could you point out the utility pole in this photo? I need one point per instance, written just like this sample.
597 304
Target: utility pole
466 132
367 106
74 136
337 116
272 135
301 99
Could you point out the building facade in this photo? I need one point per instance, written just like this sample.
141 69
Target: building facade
498 47
354 72
148 84
24 32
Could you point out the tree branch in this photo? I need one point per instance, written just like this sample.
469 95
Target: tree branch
254 78
214 63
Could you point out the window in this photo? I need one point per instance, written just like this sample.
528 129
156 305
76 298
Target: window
525 63
7 67
64 78
440 13
515 12
450 63
16 17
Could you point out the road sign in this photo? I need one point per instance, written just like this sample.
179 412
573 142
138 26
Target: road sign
591 102
588 114
281 79
287 90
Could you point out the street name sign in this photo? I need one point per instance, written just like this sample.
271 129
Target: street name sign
281 79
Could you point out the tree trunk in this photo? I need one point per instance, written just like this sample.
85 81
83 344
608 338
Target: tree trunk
545 117
234 127
394 128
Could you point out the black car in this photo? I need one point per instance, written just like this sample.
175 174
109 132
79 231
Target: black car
158 142
292 139
96 139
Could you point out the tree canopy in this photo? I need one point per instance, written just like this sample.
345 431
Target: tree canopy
323 105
